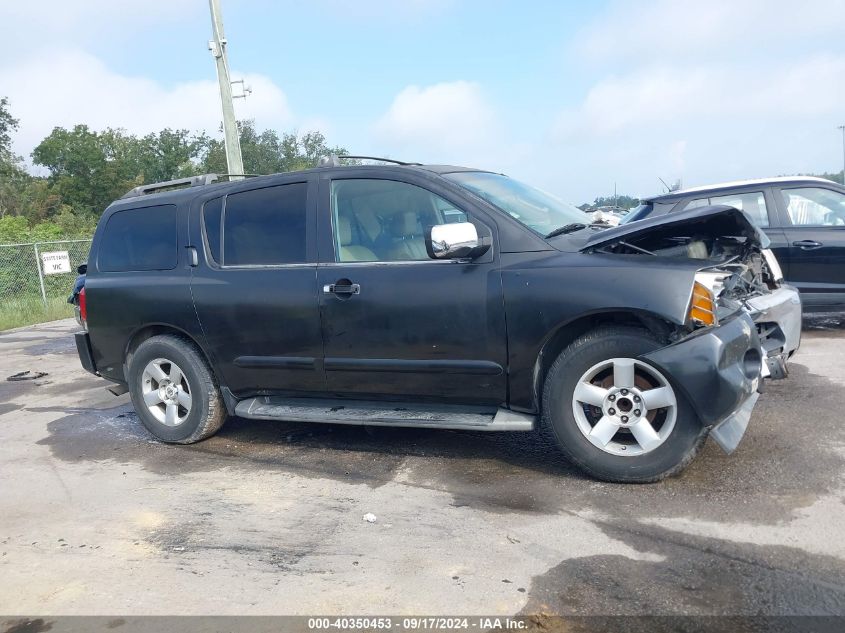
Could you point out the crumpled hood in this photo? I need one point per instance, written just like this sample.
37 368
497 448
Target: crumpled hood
712 220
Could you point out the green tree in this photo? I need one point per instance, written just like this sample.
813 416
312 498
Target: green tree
90 169
8 124
626 202
169 154
268 152
835 177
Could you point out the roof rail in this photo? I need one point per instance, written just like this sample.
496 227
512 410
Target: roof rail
333 160
191 181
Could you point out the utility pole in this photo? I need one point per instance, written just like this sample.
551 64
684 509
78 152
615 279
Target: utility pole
217 46
842 127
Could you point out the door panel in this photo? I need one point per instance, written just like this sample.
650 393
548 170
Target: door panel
397 324
815 232
779 245
433 330
260 317
263 327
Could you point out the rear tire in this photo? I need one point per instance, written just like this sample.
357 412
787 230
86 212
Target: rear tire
617 418
173 390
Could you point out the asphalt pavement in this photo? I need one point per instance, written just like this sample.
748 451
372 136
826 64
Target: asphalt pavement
97 518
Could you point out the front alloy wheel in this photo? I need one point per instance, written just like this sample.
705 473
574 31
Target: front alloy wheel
615 415
624 407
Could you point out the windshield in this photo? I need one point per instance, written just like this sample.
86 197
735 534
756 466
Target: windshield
539 211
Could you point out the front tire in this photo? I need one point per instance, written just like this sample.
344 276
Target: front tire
173 390
616 417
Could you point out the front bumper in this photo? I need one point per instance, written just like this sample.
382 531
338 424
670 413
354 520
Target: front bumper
719 371
777 316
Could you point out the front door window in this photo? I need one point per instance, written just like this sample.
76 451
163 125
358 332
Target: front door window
814 206
385 220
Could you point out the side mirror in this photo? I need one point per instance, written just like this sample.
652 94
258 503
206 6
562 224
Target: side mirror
458 240
82 268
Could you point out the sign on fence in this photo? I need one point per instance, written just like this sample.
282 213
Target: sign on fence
56 262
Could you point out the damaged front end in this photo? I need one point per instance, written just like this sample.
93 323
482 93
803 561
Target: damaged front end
743 321
738 272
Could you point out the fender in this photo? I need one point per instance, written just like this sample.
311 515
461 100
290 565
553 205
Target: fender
544 292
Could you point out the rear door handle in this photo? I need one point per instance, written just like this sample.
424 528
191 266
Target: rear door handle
342 289
807 245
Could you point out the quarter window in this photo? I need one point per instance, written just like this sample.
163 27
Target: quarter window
265 226
814 206
211 214
139 239
753 203
384 220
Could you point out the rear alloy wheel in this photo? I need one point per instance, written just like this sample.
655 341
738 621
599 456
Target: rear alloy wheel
167 393
614 415
173 390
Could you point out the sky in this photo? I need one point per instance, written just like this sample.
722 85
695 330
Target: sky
570 96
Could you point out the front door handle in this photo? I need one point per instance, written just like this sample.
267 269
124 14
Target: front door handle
807 245
342 287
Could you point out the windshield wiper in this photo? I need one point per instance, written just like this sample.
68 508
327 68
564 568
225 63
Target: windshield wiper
568 228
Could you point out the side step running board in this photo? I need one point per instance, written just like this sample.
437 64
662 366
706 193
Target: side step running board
384 414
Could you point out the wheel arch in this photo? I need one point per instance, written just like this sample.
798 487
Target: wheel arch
150 330
557 339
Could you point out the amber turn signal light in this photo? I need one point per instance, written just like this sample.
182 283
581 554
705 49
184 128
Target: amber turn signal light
702 307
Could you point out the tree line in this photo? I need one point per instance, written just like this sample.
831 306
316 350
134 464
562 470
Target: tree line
88 169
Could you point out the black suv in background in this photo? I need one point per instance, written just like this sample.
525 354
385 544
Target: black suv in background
434 296
803 217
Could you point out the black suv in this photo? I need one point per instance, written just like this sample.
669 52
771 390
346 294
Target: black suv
803 217
434 296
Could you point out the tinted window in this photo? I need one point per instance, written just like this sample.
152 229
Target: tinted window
211 213
698 202
753 203
814 206
265 226
648 209
139 239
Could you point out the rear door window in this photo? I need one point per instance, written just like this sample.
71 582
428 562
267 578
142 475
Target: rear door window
265 226
139 239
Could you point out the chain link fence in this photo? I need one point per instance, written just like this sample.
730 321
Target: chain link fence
36 278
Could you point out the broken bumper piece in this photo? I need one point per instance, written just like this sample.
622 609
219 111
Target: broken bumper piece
778 319
729 432
719 371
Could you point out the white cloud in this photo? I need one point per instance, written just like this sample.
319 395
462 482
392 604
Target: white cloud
442 122
51 23
676 29
657 96
704 91
73 87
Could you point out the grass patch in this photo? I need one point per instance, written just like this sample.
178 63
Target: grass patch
29 310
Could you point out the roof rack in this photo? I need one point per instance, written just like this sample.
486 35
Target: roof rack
191 181
333 160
